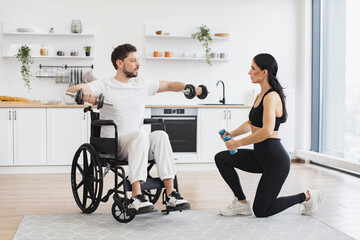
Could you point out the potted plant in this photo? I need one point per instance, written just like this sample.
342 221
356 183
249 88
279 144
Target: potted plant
23 55
87 50
204 37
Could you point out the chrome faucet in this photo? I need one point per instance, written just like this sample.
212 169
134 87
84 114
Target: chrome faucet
223 95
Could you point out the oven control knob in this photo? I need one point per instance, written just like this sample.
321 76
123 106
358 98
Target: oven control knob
173 111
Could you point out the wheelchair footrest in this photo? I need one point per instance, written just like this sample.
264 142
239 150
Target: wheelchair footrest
145 212
179 208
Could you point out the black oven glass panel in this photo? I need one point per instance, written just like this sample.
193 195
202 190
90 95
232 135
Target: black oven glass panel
181 131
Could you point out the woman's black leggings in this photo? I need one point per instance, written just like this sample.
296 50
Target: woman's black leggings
269 158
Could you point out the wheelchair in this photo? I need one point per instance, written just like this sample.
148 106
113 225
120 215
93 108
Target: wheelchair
92 161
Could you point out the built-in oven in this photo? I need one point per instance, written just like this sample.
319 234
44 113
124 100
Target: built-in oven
180 126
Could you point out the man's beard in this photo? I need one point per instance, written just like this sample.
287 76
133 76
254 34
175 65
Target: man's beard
129 74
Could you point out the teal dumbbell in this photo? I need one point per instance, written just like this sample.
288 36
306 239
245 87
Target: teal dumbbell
227 138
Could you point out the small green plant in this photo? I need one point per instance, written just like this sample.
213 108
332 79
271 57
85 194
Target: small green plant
23 55
204 37
87 50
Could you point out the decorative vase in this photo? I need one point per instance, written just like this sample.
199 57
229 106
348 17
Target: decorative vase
76 26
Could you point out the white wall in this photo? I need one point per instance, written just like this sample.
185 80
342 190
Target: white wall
256 26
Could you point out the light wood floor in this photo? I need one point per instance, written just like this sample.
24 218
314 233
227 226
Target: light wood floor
51 194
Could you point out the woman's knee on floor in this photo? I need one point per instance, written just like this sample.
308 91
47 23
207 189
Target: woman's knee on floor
260 210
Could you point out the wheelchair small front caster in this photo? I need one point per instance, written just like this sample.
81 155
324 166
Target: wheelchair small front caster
120 212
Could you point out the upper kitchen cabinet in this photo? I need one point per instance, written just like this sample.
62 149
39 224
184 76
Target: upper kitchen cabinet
52 40
174 42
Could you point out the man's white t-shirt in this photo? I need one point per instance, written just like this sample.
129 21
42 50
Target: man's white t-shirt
128 101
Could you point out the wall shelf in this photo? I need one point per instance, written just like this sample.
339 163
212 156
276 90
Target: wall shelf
177 40
53 57
185 37
185 58
35 34
49 34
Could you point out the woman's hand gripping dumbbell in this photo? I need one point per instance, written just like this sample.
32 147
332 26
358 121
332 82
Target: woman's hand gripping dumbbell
81 97
190 91
226 137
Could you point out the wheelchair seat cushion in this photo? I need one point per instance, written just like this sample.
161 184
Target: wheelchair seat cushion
111 157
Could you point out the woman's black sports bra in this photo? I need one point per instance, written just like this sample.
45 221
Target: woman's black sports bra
256 114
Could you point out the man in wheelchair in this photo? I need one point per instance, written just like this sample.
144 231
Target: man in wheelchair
128 94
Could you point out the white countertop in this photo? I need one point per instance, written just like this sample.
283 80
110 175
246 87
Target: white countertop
30 105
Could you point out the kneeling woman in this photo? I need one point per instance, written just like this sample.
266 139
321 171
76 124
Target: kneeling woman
268 156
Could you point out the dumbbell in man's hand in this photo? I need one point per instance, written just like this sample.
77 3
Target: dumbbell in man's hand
89 97
81 97
190 91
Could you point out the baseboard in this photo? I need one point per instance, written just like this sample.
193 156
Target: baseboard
300 160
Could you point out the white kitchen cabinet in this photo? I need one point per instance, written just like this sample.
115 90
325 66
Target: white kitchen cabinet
6 137
67 129
29 136
210 122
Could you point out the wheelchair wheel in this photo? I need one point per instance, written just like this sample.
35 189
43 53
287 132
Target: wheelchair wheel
152 194
120 212
86 178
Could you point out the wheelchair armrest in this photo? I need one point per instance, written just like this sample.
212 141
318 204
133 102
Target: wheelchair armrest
153 120
156 121
102 122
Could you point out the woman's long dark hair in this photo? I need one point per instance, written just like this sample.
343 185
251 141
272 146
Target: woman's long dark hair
268 62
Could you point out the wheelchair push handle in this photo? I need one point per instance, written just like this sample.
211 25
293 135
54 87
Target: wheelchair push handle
78 96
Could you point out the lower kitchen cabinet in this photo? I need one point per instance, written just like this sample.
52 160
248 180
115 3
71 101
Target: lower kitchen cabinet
67 129
210 122
29 136
6 137
41 136
23 136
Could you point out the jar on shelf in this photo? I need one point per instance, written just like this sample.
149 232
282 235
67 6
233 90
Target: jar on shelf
44 51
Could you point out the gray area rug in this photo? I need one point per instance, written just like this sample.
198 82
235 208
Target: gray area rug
192 224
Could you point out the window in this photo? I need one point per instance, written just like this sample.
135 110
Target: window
336 82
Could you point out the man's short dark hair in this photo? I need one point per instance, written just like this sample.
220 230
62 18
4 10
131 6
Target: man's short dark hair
121 52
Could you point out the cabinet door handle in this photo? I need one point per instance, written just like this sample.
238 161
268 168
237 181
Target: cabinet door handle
10 115
229 114
14 115
224 114
84 116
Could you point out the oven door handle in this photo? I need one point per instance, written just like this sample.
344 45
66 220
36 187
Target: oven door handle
175 118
